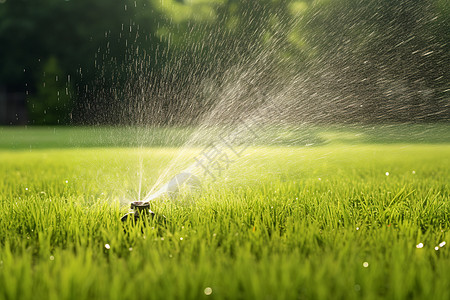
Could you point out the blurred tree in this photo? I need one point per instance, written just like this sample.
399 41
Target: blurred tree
87 38
117 52
51 104
388 57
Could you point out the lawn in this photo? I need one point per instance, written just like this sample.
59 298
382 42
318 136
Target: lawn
360 213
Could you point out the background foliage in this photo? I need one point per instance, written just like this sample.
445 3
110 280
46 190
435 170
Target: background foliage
392 54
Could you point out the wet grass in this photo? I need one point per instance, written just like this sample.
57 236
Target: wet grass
343 220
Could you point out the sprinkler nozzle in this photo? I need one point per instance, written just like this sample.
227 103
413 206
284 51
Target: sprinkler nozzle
139 208
170 189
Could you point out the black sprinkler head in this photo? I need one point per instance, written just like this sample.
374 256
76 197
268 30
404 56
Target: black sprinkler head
139 209
140 206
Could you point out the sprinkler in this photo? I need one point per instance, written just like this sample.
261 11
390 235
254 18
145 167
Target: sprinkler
139 209
171 189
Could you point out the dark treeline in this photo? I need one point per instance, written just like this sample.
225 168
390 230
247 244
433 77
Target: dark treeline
149 61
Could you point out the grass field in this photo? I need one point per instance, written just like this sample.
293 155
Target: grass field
359 216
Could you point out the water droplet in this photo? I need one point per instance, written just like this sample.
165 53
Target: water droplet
181 238
107 246
365 264
162 239
67 181
419 245
208 291
26 189
436 248
130 249
387 173
442 244
414 172
357 228
52 257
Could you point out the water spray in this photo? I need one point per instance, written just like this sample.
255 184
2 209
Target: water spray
141 209
215 157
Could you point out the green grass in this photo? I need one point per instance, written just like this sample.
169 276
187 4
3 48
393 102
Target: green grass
295 222
31 138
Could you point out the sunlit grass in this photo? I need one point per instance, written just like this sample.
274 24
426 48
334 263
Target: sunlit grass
337 221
